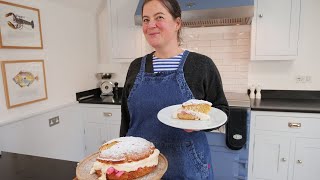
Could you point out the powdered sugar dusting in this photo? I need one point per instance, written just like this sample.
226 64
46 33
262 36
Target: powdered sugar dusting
125 145
195 102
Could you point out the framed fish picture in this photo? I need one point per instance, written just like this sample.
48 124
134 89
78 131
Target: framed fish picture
20 27
24 82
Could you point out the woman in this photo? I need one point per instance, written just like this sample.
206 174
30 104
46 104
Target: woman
148 89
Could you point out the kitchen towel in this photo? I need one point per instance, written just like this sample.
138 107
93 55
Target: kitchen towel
236 128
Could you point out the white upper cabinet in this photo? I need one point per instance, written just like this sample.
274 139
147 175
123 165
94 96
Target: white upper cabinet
126 37
275 30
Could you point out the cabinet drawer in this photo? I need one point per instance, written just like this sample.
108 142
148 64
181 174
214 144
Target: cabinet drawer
302 125
102 115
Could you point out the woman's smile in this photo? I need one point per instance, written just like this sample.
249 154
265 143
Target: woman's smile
154 34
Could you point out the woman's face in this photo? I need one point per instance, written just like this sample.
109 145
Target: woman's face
159 27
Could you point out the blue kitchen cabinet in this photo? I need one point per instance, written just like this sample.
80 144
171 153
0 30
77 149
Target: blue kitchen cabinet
227 164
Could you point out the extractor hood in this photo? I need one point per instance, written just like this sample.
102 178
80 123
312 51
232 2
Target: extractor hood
198 13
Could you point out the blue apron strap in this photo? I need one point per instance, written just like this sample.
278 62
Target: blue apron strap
183 60
140 75
143 64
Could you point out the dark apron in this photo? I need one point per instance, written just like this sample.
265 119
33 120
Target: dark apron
188 154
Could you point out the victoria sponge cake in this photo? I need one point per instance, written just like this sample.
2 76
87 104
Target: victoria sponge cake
125 158
194 109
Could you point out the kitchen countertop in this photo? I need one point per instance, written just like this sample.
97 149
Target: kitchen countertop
272 100
25 167
238 99
102 100
288 101
94 97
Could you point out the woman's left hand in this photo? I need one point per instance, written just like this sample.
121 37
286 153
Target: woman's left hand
190 130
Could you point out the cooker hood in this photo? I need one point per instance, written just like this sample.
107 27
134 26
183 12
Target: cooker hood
198 13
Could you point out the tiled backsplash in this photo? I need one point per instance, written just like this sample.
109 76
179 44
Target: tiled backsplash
227 46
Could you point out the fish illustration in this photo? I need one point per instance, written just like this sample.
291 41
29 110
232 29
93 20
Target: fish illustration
24 79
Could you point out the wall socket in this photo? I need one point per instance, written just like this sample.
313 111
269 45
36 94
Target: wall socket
303 79
54 121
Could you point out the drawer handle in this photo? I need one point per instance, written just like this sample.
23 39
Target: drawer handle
294 125
283 159
108 114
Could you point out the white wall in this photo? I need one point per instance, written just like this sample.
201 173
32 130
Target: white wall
282 74
70 53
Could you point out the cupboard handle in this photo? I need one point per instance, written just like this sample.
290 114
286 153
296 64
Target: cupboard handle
260 15
299 162
108 114
283 159
294 125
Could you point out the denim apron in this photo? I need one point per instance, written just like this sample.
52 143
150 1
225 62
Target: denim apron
188 154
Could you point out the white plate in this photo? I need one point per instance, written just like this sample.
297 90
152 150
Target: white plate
217 119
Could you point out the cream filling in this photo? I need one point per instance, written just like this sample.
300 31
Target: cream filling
152 160
198 115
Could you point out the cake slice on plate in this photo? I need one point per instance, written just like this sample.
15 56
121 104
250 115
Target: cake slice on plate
194 109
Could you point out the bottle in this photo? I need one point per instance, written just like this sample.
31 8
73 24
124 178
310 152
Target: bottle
252 89
258 94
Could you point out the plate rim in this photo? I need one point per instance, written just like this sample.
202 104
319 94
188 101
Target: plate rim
205 128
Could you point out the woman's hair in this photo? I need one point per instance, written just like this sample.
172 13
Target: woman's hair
174 9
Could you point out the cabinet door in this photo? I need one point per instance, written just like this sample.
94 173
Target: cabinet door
275 29
270 157
113 131
95 135
307 158
101 124
113 119
126 36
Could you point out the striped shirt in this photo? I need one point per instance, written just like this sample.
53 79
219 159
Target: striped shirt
167 64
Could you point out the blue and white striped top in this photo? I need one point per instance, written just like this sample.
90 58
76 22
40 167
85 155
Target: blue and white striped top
167 64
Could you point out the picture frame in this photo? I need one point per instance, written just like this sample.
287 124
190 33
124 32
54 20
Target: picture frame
24 82
20 27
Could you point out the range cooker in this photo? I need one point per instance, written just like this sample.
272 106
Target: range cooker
229 145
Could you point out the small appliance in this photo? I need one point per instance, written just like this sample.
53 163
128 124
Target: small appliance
106 86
